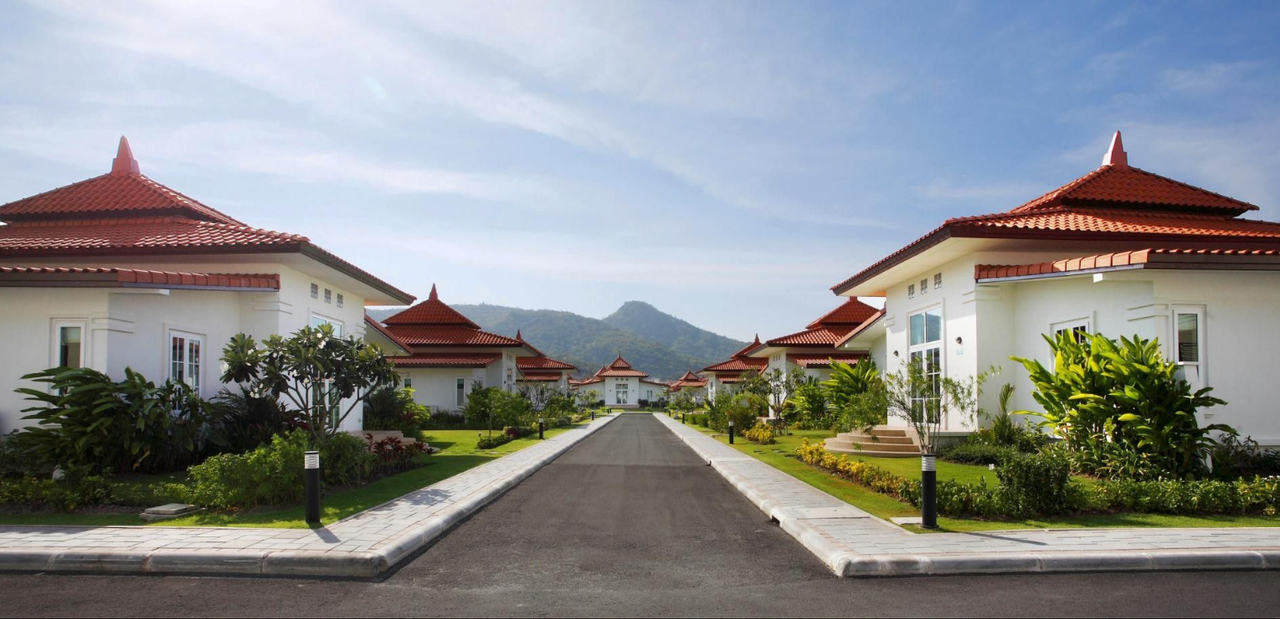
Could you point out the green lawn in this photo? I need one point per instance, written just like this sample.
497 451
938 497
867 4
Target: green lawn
781 457
458 453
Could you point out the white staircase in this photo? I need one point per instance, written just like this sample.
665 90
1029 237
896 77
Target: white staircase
881 441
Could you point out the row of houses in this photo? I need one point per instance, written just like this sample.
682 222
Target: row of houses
1119 251
119 271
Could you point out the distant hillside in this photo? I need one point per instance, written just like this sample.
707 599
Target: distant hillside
655 342
648 322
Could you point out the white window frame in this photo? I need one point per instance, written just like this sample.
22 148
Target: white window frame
1201 377
1071 325
341 327
341 300
911 291
927 345
924 286
460 391
407 381
187 337
937 280
315 291
328 295
55 339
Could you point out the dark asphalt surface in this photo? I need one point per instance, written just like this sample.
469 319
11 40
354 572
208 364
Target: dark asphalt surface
629 522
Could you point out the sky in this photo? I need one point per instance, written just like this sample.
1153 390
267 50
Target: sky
727 162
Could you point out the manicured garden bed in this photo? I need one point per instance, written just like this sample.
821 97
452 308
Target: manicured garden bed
457 453
782 457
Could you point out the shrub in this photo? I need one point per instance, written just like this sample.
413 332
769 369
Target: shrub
490 442
972 452
761 433
393 408
1037 485
17 461
745 410
272 474
394 456
243 421
76 489
88 420
491 407
1102 393
1236 458
698 419
856 396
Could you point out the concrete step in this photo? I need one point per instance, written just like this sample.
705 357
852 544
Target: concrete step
873 453
879 440
850 446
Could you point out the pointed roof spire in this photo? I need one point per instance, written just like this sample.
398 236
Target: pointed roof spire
1116 157
518 335
124 163
433 296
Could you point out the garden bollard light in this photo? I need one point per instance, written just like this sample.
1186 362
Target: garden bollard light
730 432
929 491
681 418
311 463
542 425
593 414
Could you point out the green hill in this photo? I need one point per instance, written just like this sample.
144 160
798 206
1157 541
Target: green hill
657 343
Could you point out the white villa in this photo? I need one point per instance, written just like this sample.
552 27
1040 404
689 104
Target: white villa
621 385
444 353
1119 251
813 349
120 271
691 383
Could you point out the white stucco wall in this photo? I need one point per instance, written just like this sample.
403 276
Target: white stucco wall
130 327
437 388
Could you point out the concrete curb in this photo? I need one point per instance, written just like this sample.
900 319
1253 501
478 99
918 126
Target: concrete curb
849 564
362 564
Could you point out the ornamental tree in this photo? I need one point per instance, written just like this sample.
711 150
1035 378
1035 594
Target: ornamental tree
312 370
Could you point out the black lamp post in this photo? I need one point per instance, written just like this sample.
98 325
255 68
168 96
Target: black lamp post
542 425
730 431
311 464
929 491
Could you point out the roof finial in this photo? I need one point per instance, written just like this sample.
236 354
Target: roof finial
1116 157
433 296
518 335
124 163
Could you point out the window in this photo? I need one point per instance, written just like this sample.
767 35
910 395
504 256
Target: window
937 281
68 344
1075 327
461 391
926 352
340 299
328 296
620 393
315 291
911 291
1188 343
408 382
185 358
924 286
317 320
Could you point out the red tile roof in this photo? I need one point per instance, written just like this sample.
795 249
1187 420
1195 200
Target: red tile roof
1192 258
134 278
822 336
540 377
866 324
433 311
125 213
1113 185
1116 202
748 348
822 361
428 335
740 364
445 360
543 362
620 368
688 380
851 312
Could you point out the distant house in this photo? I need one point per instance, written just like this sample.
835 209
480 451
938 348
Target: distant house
540 369
692 384
119 271
724 375
813 349
448 354
1118 251
621 385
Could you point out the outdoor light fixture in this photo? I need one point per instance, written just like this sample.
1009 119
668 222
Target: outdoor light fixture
730 431
895 353
311 465
542 425
929 491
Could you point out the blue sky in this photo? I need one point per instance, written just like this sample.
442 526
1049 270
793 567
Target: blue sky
726 162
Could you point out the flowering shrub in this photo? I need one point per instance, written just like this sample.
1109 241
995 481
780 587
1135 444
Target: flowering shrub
1040 485
761 433
395 456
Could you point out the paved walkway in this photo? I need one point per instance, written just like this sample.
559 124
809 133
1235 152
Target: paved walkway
363 545
852 542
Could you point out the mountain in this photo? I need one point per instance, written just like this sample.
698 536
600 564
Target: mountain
658 343
648 322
